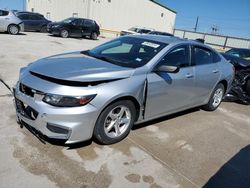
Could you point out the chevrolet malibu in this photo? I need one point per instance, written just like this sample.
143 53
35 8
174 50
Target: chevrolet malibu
104 91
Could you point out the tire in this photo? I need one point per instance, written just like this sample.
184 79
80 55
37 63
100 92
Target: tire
115 122
64 33
43 29
94 36
13 29
248 87
215 99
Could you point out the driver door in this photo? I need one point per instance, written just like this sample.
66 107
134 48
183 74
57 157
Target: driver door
171 92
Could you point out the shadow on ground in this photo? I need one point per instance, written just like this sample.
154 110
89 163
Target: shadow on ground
234 174
165 118
6 33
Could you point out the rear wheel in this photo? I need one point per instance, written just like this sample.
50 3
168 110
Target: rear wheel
216 98
93 36
13 29
115 122
64 33
43 29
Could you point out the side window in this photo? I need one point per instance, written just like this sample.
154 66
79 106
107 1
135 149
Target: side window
4 13
35 17
216 58
23 17
202 56
88 23
77 22
177 57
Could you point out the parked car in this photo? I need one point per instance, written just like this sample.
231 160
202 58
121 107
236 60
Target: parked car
136 30
240 90
75 27
10 22
33 21
240 52
104 91
160 33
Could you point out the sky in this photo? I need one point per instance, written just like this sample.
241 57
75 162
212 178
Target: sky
231 17
11 4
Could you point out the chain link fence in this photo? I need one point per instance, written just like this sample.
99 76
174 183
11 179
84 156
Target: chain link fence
216 41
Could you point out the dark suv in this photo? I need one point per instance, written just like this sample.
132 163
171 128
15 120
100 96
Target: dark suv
33 21
75 27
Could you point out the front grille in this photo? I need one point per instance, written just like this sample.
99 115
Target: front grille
26 90
29 91
26 110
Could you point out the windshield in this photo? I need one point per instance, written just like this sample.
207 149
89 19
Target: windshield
127 51
133 29
68 20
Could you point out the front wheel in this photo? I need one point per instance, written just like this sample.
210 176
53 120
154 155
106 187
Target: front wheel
43 29
13 29
94 36
216 98
64 33
115 122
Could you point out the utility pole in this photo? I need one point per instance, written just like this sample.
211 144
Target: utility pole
196 24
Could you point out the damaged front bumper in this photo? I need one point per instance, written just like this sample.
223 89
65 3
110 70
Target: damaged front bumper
70 124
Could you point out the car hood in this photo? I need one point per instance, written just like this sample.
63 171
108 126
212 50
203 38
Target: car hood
77 67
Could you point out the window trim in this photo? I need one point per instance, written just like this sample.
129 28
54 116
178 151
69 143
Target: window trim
193 63
169 51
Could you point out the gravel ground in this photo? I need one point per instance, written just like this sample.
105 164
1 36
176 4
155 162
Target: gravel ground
190 149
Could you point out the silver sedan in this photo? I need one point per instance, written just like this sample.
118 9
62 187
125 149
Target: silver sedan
10 22
104 91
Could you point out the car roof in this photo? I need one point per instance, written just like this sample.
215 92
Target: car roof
25 12
243 49
169 39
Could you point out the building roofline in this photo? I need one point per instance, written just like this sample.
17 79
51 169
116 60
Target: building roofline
162 5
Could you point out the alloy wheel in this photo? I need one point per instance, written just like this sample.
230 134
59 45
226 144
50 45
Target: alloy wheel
217 98
117 121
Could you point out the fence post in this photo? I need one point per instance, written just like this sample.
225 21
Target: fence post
225 43
184 34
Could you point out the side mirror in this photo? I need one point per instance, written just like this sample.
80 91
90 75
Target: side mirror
167 68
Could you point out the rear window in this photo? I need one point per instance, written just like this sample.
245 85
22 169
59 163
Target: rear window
4 13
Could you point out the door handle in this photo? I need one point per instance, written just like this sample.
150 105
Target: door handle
188 75
6 18
215 71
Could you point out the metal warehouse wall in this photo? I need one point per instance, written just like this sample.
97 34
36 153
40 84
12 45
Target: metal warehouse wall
110 14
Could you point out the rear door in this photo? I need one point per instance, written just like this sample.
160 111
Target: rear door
76 28
35 22
88 27
26 20
4 20
206 70
171 92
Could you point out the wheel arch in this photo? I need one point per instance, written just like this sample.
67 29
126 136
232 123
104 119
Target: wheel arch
127 97
225 84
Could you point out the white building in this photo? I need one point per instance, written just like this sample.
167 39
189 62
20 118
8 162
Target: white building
111 15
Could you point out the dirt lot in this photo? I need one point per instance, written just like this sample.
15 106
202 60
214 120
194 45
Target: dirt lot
191 149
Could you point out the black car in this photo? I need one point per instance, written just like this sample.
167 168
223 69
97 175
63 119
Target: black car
240 89
33 21
240 52
75 27
160 33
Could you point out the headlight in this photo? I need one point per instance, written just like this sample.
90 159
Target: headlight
56 26
67 101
